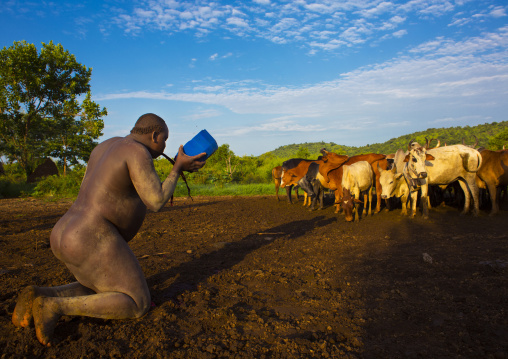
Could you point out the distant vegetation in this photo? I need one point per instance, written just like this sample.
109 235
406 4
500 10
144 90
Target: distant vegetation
450 136
228 174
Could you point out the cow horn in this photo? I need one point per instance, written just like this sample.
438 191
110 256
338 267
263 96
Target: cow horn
410 143
427 143
476 143
463 142
324 151
438 142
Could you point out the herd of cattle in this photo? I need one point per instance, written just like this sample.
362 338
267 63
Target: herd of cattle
404 174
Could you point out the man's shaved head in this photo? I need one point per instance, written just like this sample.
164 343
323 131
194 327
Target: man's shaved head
149 123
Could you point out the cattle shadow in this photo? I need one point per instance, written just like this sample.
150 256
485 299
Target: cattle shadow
190 274
429 278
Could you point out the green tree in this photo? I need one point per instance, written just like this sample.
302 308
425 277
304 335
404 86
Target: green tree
39 109
77 131
302 152
223 163
499 141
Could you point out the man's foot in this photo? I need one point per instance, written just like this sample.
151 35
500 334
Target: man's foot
22 316
45 318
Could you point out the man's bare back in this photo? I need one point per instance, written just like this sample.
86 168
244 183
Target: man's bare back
120 183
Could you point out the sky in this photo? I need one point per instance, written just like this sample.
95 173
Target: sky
260 74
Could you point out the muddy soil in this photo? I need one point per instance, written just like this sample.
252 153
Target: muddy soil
251 277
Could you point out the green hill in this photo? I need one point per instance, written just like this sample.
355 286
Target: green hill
450 136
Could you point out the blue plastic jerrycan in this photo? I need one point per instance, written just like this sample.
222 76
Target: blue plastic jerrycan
202 142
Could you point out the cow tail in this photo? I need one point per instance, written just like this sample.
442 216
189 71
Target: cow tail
465 162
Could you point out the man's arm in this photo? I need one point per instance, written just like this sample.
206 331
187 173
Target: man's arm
147 182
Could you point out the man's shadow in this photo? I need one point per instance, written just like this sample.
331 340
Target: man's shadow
190 274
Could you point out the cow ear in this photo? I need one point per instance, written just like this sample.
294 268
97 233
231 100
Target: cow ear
429 157
406 159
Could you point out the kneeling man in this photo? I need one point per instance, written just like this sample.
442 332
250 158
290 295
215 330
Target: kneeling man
120 183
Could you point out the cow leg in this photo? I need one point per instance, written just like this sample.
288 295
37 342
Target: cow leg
296 192
312 202
379 189
387 205
338 197
321 197
288 193
365 204
318 194
467 196
404 205
356 205
277 185
425 201
370 201
494 199
475 193
414 199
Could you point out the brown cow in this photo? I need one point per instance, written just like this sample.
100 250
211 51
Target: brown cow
334 176
494 174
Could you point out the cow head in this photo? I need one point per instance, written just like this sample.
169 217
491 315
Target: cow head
415 161
286 178
348 203
388 179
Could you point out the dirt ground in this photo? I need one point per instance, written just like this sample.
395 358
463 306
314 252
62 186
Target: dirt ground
255 278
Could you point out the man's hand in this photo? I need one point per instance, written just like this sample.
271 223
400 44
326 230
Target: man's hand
189 163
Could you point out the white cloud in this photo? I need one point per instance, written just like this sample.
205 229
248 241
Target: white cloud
441 72
498 12
399 33
237 22
302 21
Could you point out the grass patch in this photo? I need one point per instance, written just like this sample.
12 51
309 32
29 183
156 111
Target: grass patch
55 187
230 189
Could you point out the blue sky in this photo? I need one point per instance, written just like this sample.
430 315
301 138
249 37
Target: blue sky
259 74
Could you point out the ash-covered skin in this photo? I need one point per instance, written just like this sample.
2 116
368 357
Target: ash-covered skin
119 185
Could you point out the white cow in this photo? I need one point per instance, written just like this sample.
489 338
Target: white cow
357 178
393 183
442 166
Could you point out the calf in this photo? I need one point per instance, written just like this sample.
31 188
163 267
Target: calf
357 178
393 184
